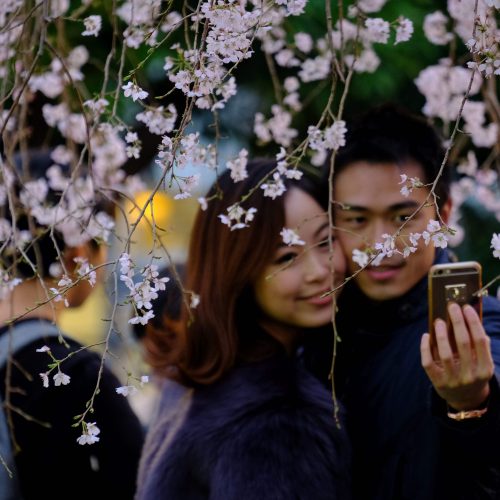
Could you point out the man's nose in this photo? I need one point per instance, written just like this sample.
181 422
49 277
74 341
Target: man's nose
377 228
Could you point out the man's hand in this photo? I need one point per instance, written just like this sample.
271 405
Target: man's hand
461 378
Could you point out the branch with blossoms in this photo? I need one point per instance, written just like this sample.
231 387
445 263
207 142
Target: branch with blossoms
106 120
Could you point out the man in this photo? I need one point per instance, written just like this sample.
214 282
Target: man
403 403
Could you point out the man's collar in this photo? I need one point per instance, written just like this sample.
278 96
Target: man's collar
355 307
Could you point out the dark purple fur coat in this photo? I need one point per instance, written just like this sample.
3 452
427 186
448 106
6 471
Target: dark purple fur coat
265 431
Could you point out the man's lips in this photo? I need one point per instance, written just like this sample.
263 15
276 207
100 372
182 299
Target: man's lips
383 272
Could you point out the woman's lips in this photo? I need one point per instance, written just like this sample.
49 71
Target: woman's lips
319 299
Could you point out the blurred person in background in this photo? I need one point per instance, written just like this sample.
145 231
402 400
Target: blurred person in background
52 458
167 309
239 416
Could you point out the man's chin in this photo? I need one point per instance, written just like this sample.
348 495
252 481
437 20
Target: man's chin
381 291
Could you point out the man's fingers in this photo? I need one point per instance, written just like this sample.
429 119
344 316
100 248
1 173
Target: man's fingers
443 345
481 342
428 363
462 339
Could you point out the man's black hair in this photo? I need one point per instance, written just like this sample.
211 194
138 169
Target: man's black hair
391 134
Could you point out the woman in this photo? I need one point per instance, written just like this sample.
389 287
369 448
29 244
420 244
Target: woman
247 421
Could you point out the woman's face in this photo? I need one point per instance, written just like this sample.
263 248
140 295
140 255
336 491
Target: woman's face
290 289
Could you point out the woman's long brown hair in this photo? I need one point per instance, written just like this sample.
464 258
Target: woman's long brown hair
221 268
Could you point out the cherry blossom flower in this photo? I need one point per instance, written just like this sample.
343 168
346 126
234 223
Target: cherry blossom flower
237 217
275 187
59 297
414 237
93 25
435 233
61 378
317 68
142 319
238 166
377 30
45 379
126 390
290 237
360 257
495 244
371 5
133 90
435 28
97 107
203 203
304 42
409 183
408 250
90 433
159 120
404 30
387 247
85 270
194 301
276 128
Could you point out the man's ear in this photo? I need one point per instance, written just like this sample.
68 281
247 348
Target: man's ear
445 211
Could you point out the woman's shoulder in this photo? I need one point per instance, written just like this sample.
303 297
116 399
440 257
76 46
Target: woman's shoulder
275 389
267 397
262 421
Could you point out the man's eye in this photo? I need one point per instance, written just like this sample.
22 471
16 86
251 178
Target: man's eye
355 220
400 218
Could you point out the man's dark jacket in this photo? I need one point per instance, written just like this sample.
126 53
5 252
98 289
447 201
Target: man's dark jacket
404 445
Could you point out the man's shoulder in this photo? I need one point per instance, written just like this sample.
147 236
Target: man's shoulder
491 316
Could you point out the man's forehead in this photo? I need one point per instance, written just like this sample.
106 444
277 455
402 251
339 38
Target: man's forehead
366 167
353 207
362 184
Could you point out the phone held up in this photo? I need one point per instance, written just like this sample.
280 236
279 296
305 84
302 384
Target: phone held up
457 282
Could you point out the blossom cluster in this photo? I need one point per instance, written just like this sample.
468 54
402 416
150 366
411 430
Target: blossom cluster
100 126
446 85
141 293
90 433
131 389
237 217
59 377
392 244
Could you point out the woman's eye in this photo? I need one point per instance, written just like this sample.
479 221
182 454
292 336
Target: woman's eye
286 258
324 242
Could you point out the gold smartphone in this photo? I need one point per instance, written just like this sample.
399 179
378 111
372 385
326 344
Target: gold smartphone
457 282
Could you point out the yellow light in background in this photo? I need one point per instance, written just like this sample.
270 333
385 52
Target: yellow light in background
85 323
159 208
173 221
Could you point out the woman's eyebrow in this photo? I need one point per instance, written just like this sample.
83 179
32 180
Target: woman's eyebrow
321 228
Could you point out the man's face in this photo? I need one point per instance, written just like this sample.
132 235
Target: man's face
368 204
